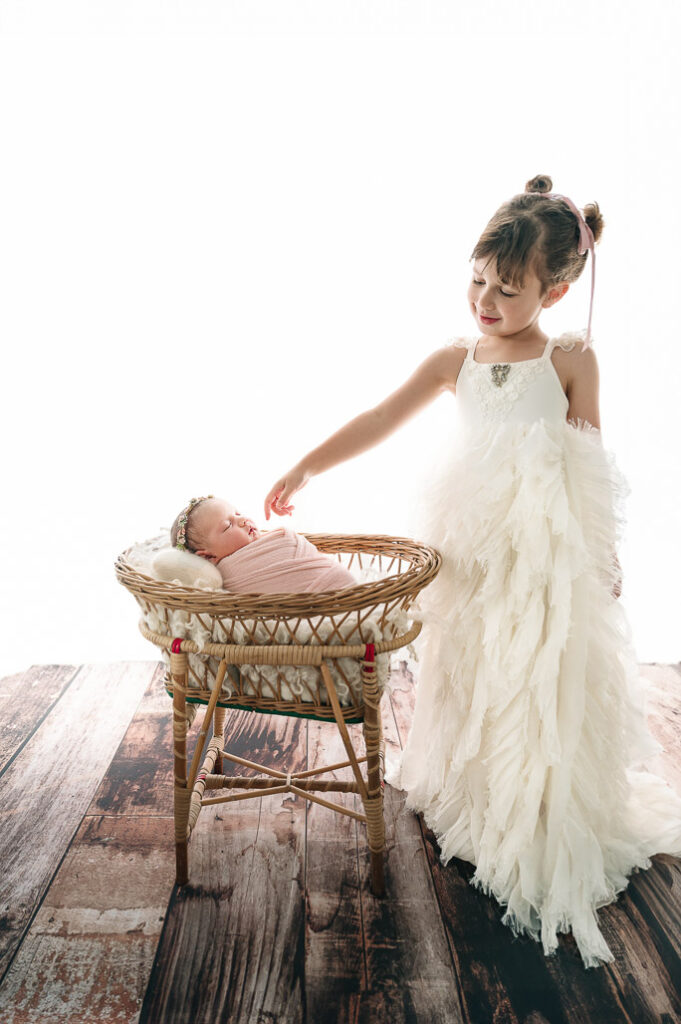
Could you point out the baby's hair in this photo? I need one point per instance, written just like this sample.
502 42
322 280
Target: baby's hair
192 537
529 232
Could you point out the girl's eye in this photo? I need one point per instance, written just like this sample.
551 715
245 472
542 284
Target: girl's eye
509 295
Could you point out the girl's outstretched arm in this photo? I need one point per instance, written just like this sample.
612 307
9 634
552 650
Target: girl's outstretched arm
437 373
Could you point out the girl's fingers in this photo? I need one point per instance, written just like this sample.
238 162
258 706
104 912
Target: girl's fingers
279 506
272 497
278 500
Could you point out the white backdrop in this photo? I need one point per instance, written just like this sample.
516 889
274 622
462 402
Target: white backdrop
227 228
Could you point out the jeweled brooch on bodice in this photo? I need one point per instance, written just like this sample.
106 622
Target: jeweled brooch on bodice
500 372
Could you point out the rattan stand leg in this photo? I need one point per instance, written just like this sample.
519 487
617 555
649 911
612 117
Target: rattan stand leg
219 731
373 804
180 677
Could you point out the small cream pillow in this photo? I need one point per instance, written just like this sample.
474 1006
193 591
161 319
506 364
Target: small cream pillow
187 568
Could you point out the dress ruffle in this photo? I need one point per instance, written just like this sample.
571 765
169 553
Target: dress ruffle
537 775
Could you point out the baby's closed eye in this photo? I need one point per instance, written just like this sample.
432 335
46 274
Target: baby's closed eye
228 524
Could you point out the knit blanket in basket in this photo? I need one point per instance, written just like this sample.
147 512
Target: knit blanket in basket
286 682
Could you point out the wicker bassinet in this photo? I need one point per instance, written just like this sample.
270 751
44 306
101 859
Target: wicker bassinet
321 656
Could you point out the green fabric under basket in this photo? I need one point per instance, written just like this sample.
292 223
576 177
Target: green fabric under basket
265 711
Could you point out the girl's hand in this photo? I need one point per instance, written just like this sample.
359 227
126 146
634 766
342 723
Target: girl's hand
278 499
617 587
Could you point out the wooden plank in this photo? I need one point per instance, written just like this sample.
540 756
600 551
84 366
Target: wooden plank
656 894
500 974
335 966
26 699
233 944
644 978
664 720
139 779
643 928
47 788
94 938
89 951
409 964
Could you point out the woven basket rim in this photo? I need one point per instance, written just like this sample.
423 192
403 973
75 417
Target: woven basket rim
424 565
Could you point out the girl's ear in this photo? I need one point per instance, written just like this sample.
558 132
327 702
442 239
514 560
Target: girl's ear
557 292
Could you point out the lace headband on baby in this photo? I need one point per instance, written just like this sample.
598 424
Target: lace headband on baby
586 242
183 519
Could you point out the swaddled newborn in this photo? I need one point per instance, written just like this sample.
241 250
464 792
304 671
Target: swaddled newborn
277 562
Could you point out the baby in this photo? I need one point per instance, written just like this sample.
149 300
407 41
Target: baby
277 562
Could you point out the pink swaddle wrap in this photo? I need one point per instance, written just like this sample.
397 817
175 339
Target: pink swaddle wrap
282 562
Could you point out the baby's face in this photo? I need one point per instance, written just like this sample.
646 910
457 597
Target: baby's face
223 528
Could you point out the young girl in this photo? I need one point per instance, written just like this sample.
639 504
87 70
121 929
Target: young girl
529 734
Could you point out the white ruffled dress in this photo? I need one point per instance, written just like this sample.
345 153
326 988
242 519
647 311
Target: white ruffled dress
527 748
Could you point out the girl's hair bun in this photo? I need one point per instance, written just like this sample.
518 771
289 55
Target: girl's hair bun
534 232
591 212
594 218
540 183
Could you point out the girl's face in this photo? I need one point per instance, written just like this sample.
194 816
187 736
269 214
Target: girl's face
500 310
223 529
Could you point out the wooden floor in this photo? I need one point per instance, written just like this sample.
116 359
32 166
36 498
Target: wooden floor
278 923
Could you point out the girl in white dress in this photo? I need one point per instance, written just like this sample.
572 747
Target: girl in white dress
526 753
